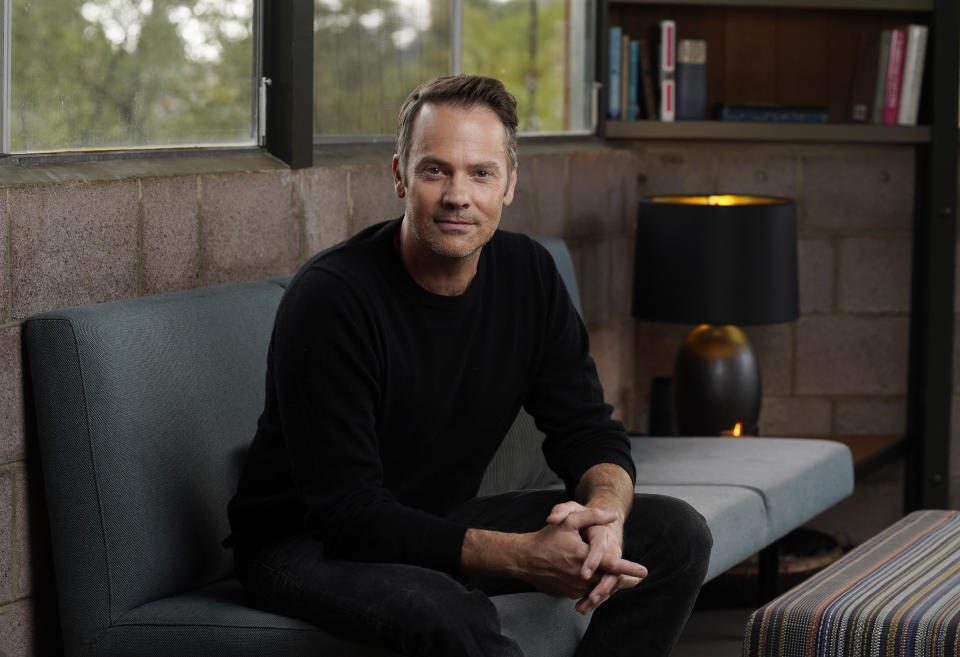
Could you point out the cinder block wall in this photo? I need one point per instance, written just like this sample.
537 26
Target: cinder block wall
102 233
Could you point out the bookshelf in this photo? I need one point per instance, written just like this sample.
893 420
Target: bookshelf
804 52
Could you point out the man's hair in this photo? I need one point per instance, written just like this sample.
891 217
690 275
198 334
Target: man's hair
465 91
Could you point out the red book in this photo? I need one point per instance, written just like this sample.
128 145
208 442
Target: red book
891 103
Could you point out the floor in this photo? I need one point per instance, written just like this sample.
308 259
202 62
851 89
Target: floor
713 633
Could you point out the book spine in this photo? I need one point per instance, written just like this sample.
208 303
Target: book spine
668 49
883 61
891 106
624 75
912 74
691 79
773 114
864 85
613 79
633 101
646 77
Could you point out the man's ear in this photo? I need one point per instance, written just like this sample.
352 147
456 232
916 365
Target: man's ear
398 185
511 187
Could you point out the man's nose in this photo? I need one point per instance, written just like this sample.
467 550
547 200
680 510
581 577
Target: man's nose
456 194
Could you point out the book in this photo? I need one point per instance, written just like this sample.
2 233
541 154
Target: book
624 74
646 79
691 79
891 103
883 60
864 85
667 35
633 82
773 113
916 50
613 77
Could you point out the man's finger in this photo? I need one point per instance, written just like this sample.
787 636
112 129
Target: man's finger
592 562
560 512
599 593
589 517
620 566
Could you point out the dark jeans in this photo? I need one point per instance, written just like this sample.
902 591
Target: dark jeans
418 611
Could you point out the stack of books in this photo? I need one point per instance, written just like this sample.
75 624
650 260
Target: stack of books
887 82
666 82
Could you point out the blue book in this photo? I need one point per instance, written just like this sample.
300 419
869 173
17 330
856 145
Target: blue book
633 87
691 79
613 97
773 113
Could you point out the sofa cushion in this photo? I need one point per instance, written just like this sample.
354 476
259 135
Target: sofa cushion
796 478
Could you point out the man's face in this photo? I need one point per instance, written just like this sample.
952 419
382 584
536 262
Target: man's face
456 180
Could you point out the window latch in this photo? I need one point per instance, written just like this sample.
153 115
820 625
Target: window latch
262 113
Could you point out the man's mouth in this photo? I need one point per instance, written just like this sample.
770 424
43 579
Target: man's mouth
454 221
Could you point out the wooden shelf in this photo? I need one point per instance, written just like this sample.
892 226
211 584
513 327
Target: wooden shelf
868 5
758 131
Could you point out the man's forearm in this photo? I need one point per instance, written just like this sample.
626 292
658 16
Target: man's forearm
606 486
491 554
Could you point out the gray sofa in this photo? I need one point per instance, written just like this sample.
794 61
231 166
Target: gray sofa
144 409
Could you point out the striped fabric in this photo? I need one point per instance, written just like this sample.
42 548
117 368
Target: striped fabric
897 595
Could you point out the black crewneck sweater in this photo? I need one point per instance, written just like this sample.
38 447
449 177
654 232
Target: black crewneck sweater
385 402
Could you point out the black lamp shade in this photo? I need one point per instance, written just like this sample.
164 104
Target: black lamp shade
698 263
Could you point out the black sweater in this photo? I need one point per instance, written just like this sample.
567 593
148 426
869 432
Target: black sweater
385 403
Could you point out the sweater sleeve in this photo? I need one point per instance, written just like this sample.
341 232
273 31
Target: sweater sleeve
566 398
325 369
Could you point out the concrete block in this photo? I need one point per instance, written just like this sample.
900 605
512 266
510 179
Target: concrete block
73 244
874 274
372 196
549 174
773 344
171 234
12 443
852 355
655 348
17 630
595 192
815 275
878 416
8 541
594 280
4 259
326 207
876 503
249 226
621 275
21 533
746 170
676 169
521 215
858 187
795 416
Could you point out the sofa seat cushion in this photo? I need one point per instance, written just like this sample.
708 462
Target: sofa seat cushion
796 478
214 621
733 514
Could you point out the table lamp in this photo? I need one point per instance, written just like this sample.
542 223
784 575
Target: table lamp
716 261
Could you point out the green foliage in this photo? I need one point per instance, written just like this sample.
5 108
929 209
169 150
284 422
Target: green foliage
128 79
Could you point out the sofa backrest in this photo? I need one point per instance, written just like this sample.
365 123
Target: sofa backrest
144 409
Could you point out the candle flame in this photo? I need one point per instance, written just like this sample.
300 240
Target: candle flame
737 429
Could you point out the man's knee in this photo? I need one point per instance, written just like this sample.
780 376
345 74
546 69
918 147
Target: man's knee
668 526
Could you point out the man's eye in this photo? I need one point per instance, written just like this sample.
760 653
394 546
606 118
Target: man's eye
483 173
433 171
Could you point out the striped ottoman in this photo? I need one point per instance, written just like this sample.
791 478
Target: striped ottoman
896 595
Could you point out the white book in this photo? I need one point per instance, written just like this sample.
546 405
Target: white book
667 64
912 74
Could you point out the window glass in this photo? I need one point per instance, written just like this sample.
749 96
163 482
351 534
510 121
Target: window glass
371 53
89 74
368 55
536 47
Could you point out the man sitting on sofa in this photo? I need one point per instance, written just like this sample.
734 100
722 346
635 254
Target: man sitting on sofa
399 359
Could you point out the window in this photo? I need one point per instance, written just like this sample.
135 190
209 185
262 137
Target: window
369 54
98 74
